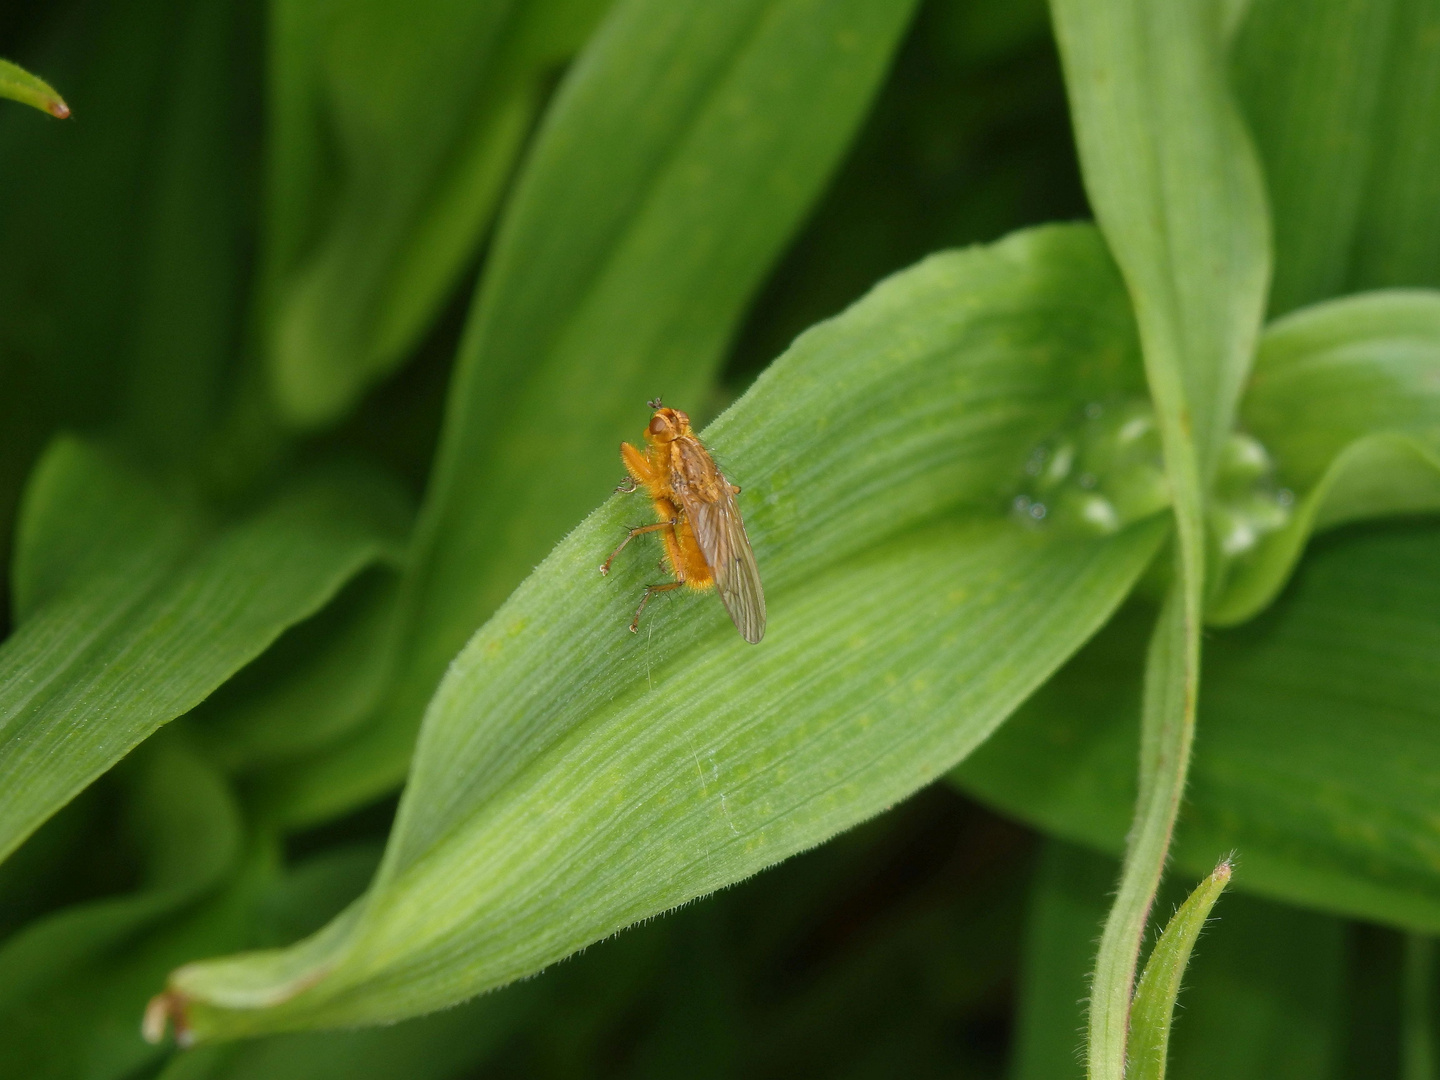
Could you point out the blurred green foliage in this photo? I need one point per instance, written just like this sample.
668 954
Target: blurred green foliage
296 270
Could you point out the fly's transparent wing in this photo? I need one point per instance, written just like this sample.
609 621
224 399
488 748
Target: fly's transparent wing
721 536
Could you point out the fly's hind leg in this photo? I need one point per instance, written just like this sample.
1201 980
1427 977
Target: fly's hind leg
651 590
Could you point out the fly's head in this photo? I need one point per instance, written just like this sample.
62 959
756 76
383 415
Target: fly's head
667 425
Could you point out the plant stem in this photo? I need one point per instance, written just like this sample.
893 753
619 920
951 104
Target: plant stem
1167 731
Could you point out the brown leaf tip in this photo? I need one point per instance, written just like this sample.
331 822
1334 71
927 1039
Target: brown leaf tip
164 1008
58 109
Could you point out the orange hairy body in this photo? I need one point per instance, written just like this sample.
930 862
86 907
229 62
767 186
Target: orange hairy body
698 520
651 469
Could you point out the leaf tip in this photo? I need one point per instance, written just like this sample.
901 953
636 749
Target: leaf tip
164 1009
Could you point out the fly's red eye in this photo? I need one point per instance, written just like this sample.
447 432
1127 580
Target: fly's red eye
658 426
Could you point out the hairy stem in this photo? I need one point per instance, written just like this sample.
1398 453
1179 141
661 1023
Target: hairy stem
1167 730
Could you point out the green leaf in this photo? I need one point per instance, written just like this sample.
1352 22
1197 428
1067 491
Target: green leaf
1262 997
551 804
1311 77
1178 192
1160 984
17 84
1344 395
1342 97
429 104
685 146
1317 759
135 608
73 984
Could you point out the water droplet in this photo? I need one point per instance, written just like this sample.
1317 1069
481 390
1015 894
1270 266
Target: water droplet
1285 497
1239 538
1022 504
1087 480
1060 463
1037 511
1136 427
1100 512
1094 410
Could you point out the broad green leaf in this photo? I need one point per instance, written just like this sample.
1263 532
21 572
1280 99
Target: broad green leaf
1177 190
686 144
551 804
73 984
1345 396
17 84
1342 96
1316 759
135 608
1159 986
428 104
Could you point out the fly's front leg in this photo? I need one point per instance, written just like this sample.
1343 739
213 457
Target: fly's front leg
639 530
638 466
650 590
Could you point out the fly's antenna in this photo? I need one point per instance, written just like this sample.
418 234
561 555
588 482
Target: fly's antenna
654 403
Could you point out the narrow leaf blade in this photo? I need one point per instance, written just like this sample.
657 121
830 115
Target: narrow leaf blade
17 84
1160 985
